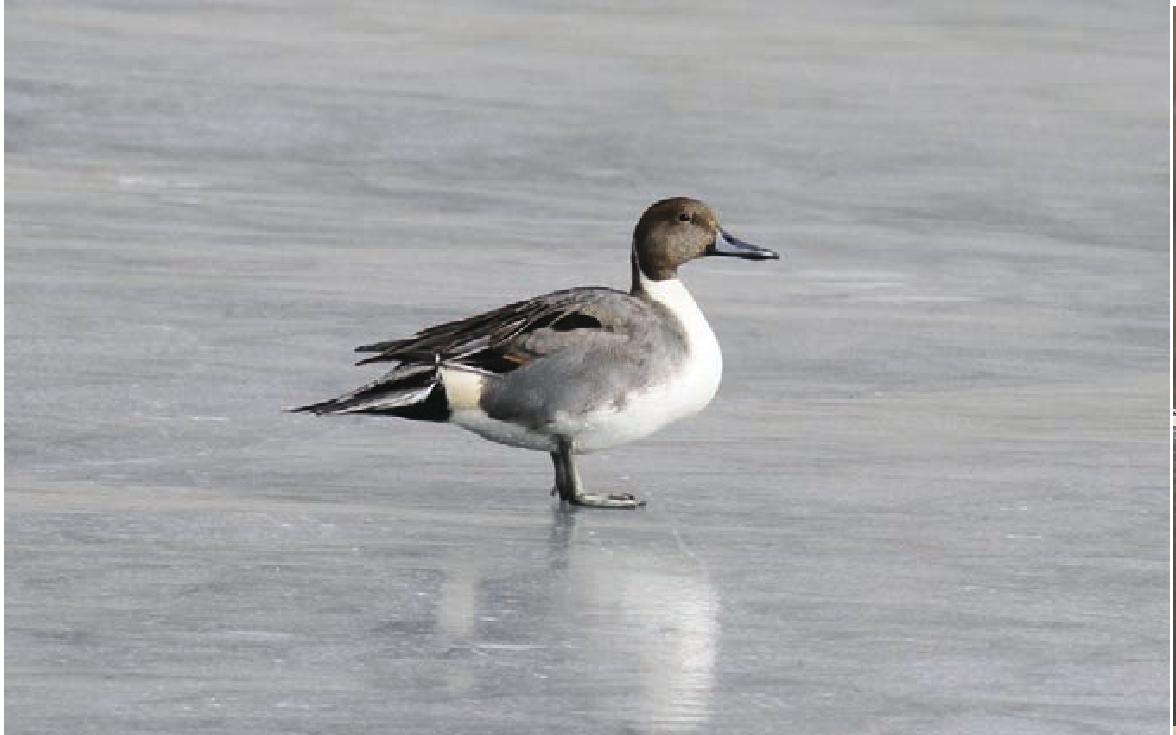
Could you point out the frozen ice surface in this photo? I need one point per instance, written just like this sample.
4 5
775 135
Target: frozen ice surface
931 496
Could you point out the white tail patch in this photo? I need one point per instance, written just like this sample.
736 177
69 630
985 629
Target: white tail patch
463 388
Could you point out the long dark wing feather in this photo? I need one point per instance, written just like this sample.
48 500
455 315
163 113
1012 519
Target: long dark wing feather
500 335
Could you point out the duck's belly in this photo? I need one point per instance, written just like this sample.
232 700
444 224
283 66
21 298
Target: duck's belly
503 432
642 412
630 417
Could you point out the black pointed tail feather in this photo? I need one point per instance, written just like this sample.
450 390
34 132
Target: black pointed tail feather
386 351
408 391
381 346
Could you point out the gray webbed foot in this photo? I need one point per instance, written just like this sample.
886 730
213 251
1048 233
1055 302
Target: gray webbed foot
612 500
570 489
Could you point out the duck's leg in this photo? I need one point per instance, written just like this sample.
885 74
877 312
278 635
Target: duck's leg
567 484
561 477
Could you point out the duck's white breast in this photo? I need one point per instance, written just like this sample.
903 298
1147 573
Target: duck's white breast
689 388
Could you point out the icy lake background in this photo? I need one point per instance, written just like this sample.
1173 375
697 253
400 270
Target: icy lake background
931 496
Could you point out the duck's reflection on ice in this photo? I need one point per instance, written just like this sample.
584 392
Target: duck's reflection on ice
631 632
457 616
655 610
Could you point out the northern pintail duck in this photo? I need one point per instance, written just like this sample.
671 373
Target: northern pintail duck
574 371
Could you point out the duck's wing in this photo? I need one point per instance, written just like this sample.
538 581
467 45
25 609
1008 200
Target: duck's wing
516 334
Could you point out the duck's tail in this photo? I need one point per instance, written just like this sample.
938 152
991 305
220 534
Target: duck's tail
408 391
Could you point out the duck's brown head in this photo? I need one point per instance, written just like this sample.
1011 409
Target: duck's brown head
675 231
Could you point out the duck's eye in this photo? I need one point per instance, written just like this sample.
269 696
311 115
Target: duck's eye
684 217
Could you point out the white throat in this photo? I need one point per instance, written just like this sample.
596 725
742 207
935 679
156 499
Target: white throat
704 360
672 294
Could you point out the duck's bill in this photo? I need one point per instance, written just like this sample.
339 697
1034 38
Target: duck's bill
729 245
